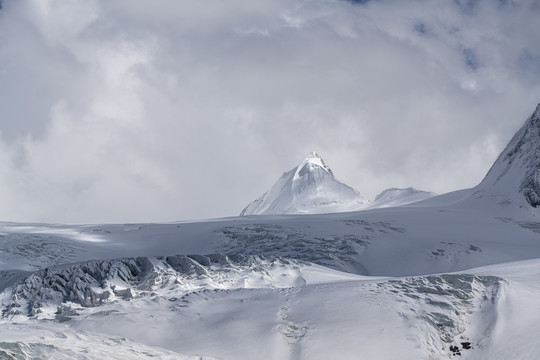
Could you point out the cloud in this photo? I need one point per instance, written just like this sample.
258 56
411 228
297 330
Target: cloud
153 111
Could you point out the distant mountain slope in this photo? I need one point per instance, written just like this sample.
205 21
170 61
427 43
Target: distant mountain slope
515 175
309 188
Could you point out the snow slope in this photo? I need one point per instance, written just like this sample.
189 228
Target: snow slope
309 188
453 275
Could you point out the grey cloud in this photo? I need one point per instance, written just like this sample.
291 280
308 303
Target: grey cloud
164 110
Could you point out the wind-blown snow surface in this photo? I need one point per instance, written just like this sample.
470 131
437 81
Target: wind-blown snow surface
453 275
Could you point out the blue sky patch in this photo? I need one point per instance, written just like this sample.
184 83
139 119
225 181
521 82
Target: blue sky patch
470 58
361 2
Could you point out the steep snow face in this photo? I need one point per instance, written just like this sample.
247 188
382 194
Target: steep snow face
309 188
515 175
400 197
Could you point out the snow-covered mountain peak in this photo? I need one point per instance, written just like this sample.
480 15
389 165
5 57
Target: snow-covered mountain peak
309 188
315 159
516 172
313 155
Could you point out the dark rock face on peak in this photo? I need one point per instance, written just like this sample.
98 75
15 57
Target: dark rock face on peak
518 167
315 155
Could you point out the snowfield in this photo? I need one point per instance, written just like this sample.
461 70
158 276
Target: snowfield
402 282
452 276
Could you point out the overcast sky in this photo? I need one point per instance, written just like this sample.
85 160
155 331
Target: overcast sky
159 110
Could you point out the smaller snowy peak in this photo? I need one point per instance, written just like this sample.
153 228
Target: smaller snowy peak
309 188
515 175
399 197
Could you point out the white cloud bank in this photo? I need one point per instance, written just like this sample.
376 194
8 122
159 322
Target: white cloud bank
116 111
